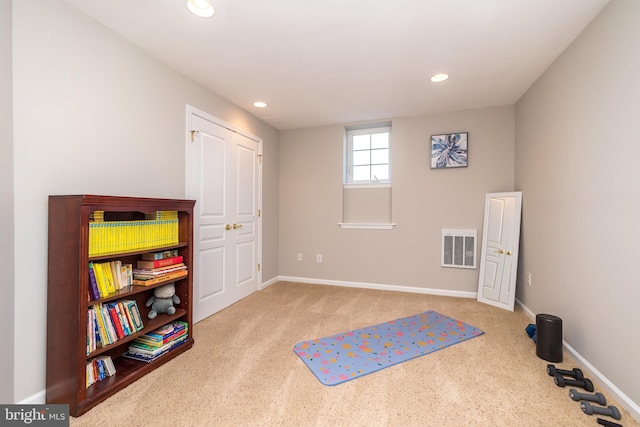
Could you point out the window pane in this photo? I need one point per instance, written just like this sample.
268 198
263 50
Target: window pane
361 142
380 140
380 156
380 172
361 173
361 157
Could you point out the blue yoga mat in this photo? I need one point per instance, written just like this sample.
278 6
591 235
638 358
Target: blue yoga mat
349 355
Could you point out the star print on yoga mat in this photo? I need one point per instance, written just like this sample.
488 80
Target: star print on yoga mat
348 355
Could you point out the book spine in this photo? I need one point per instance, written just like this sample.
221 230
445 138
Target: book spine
127 317
126 274
99 342
116 322
114 267
102 288
160 255
93 284
147 358
106 269
155 272
136 318
90 332
111 329
160 262
104 333
160 279
123 319
176 330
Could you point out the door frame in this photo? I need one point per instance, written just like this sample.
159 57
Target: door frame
191 110
515 250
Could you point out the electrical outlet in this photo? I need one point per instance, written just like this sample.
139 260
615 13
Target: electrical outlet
299 257
319 258
529 279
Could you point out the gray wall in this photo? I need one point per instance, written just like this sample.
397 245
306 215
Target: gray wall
6 205
577 164
424 201
95 114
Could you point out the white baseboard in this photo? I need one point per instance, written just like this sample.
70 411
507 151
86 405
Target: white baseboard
382 287
269 282
620 397
40 398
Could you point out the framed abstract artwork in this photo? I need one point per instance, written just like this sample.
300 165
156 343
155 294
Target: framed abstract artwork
449 150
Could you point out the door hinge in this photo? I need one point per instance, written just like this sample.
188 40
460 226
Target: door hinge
258 267
259 158
193 133
259 213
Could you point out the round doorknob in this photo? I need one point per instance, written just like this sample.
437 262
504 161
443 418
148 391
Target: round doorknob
508 252
227 227
500 251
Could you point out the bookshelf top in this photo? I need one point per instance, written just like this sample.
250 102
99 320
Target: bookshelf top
100 202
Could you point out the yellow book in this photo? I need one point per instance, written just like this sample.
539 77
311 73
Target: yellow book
100 281
92 238
108 278
104 335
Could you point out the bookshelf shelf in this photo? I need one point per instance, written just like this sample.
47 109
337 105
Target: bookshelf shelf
149 325
68 298
138 252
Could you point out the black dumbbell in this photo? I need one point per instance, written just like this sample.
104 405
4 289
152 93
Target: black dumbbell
584 383
598 397
610 411
574 373
608 423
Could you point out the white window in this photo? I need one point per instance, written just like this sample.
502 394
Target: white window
368 155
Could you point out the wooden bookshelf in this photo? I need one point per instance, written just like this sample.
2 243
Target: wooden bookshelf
68 296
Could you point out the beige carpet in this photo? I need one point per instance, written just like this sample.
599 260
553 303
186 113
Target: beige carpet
242 370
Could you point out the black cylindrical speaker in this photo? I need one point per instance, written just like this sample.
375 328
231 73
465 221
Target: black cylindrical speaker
549 337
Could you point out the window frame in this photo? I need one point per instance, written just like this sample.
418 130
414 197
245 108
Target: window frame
369 129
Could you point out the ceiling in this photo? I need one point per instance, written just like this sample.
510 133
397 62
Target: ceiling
344 61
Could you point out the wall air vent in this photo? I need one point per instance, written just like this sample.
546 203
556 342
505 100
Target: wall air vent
459 248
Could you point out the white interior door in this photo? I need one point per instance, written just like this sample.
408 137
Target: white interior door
500 245
223 177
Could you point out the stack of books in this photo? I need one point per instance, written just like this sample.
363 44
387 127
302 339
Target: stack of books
108 322
98 369
150 346
105 278
159 267
160 215
158 229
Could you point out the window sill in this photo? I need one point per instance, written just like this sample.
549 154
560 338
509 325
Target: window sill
368 185
367 226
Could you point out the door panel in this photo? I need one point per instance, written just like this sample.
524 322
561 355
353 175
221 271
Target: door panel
246 263
494 244
246 180
211 274
212 178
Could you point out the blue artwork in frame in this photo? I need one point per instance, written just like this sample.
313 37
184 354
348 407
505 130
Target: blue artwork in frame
449 150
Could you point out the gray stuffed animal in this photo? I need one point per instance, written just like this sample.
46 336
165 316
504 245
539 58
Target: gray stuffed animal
162 300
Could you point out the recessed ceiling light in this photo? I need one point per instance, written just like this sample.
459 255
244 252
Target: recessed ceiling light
201 8
439 77
260 104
